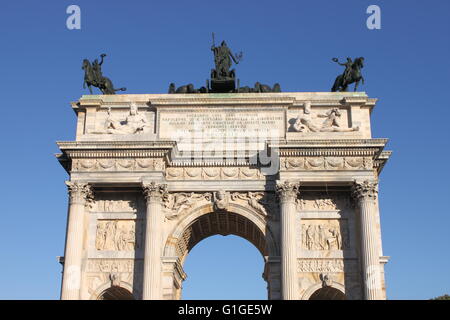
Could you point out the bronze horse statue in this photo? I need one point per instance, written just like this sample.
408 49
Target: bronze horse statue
352 74
93 77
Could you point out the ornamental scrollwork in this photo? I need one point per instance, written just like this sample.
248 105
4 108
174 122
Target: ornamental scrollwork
80 192
287 190
365 190
154 191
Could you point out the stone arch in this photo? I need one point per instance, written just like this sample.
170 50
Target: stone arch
113 292
237 219
334 291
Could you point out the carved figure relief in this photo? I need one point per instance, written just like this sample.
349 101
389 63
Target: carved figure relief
221 199
305 122
259 201
177 203
323 201
134 123
323 236
116 235
115 206
252 199
321 265
110 266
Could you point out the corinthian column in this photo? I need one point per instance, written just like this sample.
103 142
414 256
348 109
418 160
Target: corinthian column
154 193
79 196
365 193
287 194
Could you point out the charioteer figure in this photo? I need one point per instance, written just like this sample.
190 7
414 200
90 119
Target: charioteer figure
222 78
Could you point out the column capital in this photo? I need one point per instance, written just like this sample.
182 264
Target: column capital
287 190
80 192
367 189
154 191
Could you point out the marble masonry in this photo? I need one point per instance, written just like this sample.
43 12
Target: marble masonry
294 173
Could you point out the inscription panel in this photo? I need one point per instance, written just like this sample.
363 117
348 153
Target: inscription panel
229 123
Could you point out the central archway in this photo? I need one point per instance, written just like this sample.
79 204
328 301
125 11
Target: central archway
205 221
224 267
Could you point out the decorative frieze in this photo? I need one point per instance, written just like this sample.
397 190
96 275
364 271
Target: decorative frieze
119 164
320 265
114 206
110 265
326 163
322 201
213 173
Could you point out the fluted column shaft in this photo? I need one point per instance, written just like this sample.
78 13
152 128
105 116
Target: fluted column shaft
152 287
365 194
287 194
79 195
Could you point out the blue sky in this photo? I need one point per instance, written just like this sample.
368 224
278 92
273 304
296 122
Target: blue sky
152 43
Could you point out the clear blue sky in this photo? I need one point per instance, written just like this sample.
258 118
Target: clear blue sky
152 43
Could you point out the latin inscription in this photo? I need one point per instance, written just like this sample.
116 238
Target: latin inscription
221 123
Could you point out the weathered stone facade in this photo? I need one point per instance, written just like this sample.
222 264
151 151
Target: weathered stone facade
151 175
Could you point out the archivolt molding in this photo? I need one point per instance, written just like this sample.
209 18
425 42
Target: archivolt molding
172 244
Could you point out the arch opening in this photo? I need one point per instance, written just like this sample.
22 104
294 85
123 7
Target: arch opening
227 267
204 222
220 223
116 293
328 293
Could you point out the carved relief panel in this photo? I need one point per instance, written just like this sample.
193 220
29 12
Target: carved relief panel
323 201
325 235
116 225
116 235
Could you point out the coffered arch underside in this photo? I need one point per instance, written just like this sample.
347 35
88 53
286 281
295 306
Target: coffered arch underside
205 221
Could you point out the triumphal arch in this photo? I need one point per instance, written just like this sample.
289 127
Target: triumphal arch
294 173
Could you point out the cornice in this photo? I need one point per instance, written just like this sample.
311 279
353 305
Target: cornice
381 160
292 99
328 143
114 145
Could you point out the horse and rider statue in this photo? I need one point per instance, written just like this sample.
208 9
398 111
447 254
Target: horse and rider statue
352 74
93 77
